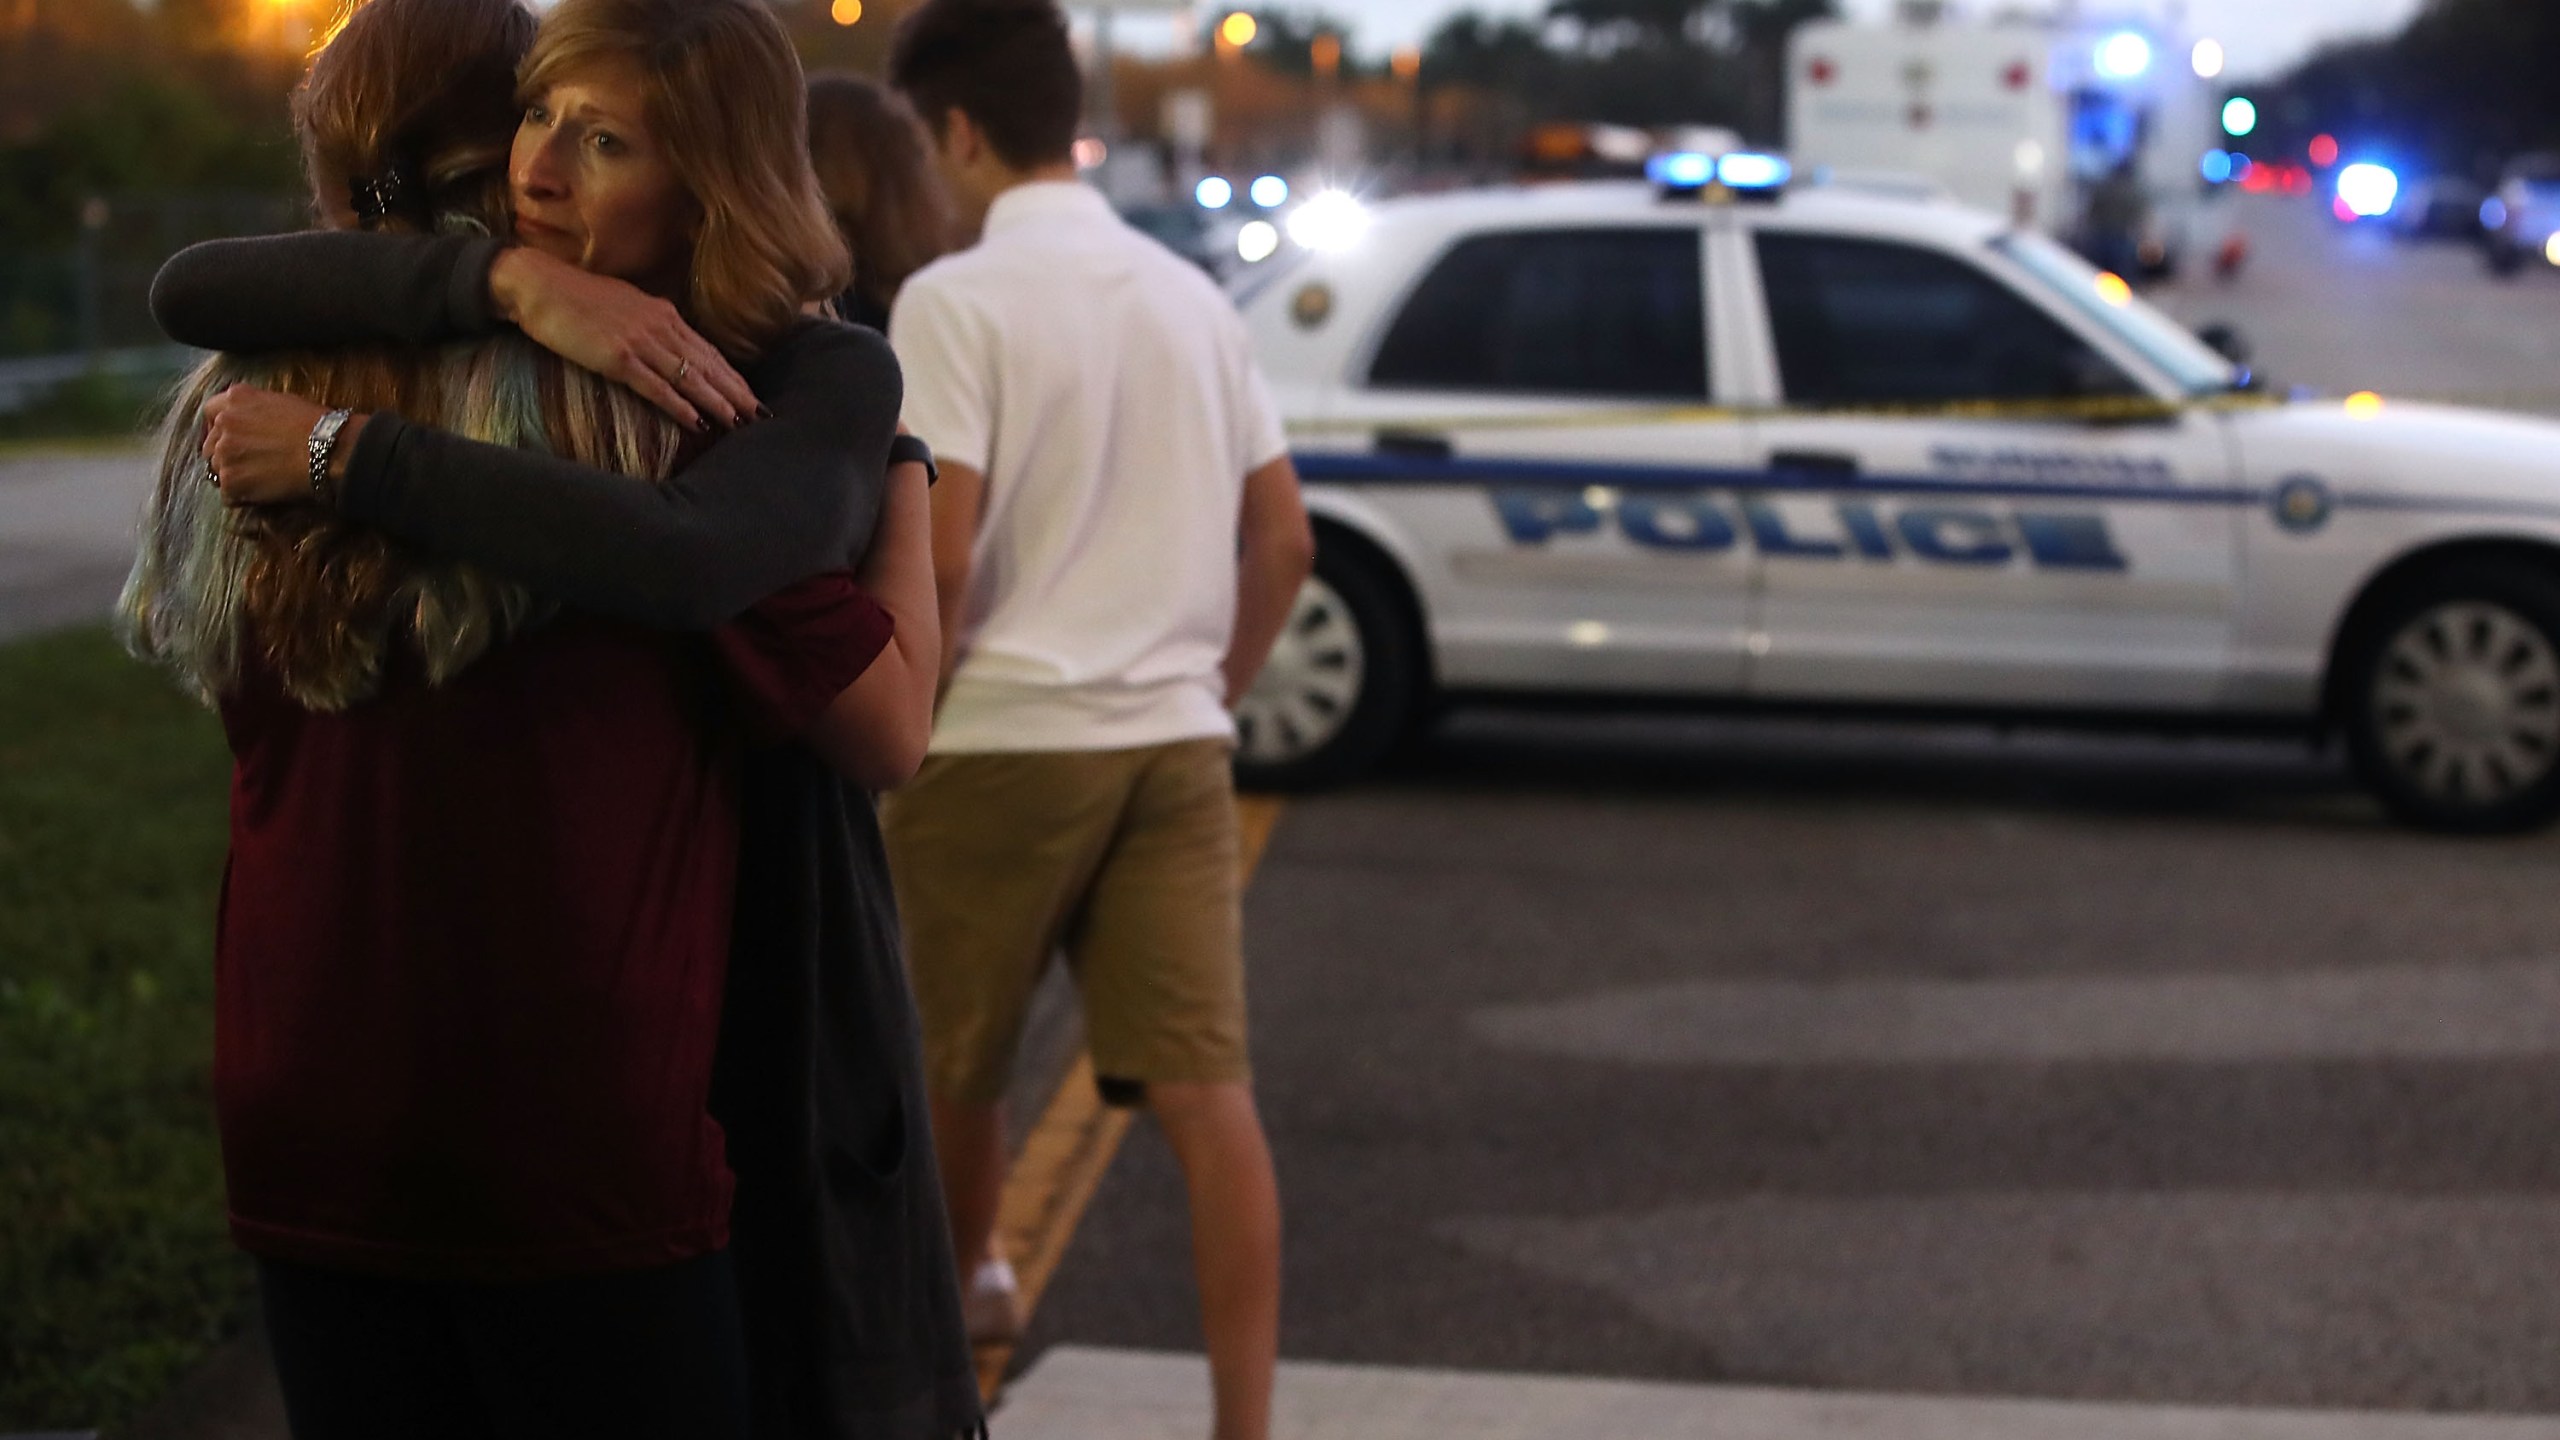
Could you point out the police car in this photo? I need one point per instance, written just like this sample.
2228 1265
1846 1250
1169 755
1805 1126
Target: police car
1724 439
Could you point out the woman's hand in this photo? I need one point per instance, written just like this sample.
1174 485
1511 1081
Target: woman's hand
258 444
623 333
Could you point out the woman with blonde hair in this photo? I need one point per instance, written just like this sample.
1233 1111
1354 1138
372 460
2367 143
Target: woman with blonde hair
876 166
635 161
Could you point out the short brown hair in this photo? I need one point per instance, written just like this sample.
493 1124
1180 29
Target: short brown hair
723 93
1006 64
876 168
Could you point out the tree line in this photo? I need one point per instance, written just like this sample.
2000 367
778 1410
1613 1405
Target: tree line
2465 86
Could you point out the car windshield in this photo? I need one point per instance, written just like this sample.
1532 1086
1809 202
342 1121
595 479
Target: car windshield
2197 368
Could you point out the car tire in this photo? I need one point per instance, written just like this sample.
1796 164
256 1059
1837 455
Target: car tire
2452 700
1344 682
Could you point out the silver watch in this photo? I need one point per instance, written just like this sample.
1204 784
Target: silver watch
324 443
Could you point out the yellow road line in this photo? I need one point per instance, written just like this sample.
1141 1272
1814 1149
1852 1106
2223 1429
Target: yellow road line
1064 1160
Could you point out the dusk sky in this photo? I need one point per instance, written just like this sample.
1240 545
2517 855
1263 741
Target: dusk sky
2261 35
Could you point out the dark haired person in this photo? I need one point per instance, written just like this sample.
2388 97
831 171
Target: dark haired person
1117 541
875 166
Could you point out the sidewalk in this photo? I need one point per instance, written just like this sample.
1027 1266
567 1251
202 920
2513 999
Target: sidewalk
1075 1393
66 533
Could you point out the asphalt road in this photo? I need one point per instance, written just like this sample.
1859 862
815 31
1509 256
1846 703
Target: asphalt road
1933 1060
66 535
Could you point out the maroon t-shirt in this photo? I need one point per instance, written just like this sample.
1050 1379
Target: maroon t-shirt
472 943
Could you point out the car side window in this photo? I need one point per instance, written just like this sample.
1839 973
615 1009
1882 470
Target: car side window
1868 322
1618 313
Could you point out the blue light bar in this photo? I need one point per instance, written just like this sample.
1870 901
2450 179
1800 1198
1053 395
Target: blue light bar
1681 170
1747 170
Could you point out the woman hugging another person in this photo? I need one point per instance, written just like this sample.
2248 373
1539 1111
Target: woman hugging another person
486 847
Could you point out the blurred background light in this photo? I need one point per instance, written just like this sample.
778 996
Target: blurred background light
1748 170
2209 59
2114 288
1239 29
2239 116
1681 170
1214 193
847 12
1270 192
1258 241
1332 220
2125 55
2323 150
2368 190
2216 167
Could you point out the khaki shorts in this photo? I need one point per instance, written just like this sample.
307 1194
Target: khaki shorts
1127 859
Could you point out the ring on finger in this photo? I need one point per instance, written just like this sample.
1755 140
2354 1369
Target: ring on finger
683 368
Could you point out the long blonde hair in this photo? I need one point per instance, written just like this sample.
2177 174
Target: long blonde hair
723 95
415 98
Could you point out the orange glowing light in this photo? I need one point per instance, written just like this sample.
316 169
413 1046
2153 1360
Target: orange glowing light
1326 52
2114 289
1407 63
847 12
1238 30
2364 405
2324 150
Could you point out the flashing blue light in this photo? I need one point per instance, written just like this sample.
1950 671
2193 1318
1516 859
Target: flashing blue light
2368 190
1214 194
2217 167
1747 170
2239 116
1681 170
2241 165
2493 214
2125 55
1270 192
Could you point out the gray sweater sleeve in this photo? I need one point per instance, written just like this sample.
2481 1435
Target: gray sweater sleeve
762 507
325 288
774 503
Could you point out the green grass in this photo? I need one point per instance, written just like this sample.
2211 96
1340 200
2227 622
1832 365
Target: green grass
93 406
115 1272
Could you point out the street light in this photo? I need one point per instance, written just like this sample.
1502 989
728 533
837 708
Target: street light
847 12
1237 30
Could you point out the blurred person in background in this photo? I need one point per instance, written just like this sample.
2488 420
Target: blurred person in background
875 165
702 222
1118 539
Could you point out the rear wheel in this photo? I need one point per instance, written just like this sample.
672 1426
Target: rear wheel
2453 701
1342 684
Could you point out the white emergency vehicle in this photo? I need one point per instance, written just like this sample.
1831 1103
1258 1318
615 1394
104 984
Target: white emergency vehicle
2024 116
1713 440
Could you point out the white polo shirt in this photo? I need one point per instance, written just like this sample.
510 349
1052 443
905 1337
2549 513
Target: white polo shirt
1106 389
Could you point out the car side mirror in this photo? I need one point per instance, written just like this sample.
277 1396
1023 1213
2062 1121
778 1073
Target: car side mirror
2225 340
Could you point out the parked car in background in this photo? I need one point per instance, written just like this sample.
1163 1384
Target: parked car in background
2523 216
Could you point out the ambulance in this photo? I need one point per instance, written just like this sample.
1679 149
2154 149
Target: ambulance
2030 117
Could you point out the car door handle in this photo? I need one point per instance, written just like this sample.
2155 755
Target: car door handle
1819 462
1416 445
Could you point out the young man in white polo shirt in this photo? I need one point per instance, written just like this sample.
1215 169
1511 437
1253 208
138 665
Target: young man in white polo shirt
1118 540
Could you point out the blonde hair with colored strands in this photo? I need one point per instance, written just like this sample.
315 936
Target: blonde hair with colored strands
424 85
724 99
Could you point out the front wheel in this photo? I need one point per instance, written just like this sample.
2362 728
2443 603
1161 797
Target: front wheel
1342 683
2453 702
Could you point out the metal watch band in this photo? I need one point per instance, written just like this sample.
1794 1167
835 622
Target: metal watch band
324 443
911 450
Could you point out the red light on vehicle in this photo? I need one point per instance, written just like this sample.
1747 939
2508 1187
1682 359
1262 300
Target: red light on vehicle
2324 150
2297 181
2260 179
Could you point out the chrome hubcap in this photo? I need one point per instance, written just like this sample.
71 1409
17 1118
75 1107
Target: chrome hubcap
2468 703
1306 691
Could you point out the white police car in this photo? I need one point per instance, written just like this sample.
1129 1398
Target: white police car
1853 449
